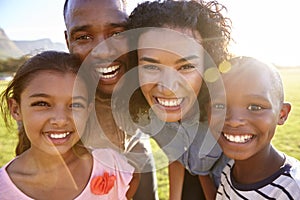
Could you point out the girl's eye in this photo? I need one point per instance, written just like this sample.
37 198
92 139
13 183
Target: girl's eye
254 107
77 105
218 106
40 103
150 67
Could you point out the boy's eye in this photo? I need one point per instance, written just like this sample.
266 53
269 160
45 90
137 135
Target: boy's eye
40 103
254 107
218 106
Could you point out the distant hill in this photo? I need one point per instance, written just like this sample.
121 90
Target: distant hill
7 47
36 46
16 49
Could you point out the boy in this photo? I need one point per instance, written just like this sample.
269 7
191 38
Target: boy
254 107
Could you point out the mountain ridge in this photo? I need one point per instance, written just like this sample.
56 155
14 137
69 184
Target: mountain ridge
18 48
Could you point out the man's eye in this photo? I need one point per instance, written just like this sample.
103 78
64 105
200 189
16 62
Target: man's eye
40 103
117 34
83 37
218 106
254 107
150 67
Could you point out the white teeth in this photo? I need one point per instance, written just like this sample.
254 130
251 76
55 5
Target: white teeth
238 138
108 69
59 136
104 70
169 102
108 76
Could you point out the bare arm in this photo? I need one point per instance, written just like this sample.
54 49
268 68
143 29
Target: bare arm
133 185
208 186
176 177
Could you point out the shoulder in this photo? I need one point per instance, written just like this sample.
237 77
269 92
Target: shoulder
295 168
8 189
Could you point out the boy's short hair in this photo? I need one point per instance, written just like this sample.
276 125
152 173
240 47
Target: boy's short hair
277 85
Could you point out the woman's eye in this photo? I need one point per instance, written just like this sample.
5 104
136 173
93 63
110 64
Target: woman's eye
187 67
150 67
254 107
218 106
40 103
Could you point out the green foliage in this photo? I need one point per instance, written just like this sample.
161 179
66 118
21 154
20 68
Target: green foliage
12 64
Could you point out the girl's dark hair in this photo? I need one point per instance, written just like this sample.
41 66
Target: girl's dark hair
49 60
203 17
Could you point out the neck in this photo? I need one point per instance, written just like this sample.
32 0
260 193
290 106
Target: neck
102 95
258 167
38 160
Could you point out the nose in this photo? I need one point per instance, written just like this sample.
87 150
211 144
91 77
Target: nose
60 117
169 81
235 118
104 50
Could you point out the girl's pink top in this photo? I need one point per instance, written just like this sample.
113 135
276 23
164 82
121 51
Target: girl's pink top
105 160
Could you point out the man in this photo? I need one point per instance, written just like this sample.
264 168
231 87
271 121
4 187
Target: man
88 24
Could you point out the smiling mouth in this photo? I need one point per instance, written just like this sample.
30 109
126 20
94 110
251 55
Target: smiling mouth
169 102
243 138
58 135
108 72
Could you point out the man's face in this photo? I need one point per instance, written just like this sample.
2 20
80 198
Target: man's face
93 33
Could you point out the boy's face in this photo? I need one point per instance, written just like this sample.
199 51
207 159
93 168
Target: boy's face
170 68
93 33
252 111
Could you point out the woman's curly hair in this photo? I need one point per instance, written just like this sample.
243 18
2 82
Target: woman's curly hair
204 17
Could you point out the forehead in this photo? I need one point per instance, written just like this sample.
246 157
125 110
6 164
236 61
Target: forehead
179 41
94 11
253 78
49 80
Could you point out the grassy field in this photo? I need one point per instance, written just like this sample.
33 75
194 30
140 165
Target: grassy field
287 138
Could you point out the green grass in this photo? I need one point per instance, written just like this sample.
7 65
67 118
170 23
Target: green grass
286 139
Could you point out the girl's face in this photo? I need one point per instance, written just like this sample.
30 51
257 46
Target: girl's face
53 111
170 68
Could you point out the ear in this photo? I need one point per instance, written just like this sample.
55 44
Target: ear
284 112
66 38
15 110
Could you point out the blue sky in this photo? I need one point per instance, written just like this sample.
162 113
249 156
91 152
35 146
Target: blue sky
267 29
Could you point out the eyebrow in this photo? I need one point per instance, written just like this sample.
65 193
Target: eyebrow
48 96
153 60
108 25
79 28
258 97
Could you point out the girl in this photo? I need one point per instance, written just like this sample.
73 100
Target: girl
51 101
172 38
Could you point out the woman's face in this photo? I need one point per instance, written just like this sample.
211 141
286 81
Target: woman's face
170 71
